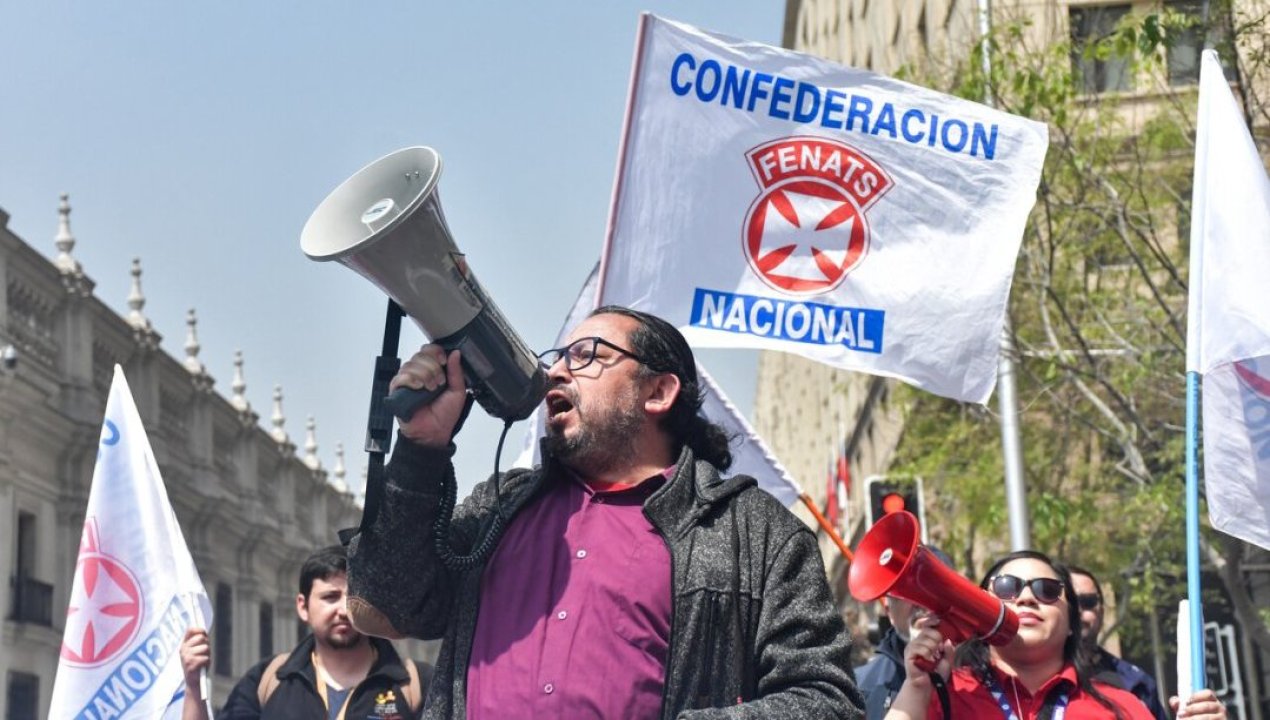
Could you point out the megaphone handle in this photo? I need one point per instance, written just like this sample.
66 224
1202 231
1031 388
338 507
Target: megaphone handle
404 402
953 632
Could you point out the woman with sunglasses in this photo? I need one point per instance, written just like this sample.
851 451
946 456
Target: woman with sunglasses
1043 673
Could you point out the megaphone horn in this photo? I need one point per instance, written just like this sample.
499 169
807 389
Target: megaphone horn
890 560
385 222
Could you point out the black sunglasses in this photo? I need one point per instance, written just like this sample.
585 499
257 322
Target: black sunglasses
1009 587
1088 601
581 353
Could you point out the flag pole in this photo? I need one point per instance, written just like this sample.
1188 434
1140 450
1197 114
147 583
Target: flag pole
1194 311
204 682
827 527
1196 608
1007 394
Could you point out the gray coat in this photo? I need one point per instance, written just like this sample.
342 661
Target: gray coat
752 616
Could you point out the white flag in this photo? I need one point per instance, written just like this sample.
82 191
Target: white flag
750 455
136 589
1185 683
769 199
1228 322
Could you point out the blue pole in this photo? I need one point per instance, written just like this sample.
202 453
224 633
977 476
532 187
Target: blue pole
1198 676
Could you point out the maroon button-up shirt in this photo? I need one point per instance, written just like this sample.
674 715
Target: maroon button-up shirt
575 610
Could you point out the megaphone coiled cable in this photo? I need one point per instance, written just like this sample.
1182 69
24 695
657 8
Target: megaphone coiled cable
489 535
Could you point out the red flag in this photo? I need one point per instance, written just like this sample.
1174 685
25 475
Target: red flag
842 489
831 497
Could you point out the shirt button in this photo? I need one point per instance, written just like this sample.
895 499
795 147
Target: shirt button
562 615
548 688
581 554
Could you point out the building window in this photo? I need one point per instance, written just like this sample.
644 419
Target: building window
32 599
223 648
1188 42
26 544
266 629
923 36
1092 73
23 696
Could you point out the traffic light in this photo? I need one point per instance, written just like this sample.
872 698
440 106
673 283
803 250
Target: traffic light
887 495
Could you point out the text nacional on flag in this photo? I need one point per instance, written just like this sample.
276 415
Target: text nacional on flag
770 199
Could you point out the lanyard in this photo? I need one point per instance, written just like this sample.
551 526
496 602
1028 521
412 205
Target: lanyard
1060 706
321 676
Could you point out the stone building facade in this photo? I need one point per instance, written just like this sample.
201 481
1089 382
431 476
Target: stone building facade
250 508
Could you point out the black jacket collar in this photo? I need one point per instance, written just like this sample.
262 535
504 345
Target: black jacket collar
387 662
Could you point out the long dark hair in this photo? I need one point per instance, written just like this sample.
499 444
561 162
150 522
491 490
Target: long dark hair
663 349
974 654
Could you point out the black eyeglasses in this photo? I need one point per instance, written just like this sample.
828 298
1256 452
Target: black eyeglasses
1009 587
581 353
1088 601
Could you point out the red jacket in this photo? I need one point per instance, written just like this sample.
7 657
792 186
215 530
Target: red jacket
970 698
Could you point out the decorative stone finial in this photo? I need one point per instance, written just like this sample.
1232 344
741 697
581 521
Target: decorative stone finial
65 241
278 434
359 498
338 482
192 363
137 300
239 386
310 445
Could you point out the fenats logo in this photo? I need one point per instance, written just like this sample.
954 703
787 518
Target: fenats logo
106 607
1254 376
807 228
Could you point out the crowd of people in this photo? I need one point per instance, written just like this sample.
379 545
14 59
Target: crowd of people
629 576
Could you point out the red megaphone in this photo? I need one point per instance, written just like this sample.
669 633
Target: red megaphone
891 560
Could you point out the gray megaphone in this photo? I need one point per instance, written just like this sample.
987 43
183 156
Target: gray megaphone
385 222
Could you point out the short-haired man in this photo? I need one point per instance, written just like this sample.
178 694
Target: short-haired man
1109 668
335 672
882 676
632 581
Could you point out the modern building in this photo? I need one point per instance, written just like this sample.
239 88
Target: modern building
250 508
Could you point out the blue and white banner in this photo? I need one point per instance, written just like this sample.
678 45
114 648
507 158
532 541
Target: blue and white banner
770 199
135 590
750 454
1228 318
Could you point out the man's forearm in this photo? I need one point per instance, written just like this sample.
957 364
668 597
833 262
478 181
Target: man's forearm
194 707
393 568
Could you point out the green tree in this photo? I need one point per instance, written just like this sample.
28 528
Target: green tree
1098 314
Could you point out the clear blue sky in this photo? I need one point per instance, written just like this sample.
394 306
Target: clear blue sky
200 137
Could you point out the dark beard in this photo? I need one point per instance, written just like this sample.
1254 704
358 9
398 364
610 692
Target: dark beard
347 642
602 445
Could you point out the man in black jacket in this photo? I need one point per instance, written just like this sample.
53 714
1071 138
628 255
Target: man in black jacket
631 579
1109 668
334 672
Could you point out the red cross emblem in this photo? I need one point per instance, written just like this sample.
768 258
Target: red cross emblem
807 229
106 606
1250 374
